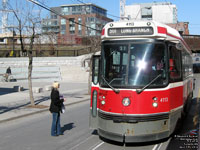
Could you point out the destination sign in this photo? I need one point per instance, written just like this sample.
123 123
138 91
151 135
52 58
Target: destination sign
130 31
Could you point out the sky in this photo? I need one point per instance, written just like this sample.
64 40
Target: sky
188 10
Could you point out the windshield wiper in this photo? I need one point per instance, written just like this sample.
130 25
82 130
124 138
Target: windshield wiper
115 79
115 90
138 91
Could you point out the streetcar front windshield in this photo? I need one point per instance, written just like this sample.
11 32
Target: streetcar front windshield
133 64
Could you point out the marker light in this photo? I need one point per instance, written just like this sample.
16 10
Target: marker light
162 30
103 102
126 101
103 31
155 104
155 98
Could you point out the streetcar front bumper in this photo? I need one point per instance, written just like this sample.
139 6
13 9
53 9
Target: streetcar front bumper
134 129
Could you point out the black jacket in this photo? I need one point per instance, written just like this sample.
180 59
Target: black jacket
56 102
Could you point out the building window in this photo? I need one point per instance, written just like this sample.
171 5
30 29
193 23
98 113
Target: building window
148 17
74 8
92 32
71 26
53 16
79 26
63 21
55 23
79 8
62 32
1 40
63 29
87 9
92 20
65 10
146 13
174 15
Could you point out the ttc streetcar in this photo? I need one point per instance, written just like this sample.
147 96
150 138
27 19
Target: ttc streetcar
142 81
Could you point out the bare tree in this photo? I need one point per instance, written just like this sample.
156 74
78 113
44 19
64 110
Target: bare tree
27 23
30 64
52 40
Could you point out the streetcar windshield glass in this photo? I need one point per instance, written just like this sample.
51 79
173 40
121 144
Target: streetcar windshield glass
133 64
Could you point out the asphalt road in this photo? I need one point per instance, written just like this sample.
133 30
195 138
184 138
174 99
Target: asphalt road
33 132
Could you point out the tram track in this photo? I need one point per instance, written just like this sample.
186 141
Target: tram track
84 141
162 146
99 145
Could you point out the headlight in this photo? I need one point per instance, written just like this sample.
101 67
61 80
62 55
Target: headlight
155 104
126 101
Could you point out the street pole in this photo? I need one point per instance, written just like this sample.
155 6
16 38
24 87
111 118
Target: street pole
13 43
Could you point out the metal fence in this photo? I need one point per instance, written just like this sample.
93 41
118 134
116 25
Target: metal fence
46 53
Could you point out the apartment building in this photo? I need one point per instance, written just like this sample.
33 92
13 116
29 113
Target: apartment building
77 21
164 12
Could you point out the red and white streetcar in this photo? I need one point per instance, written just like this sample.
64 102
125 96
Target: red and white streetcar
142 81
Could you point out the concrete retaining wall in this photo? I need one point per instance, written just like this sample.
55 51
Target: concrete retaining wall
69 69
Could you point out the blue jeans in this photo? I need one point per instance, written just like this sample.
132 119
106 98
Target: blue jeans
55 128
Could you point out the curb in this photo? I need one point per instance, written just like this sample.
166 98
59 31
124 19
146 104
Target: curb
39 111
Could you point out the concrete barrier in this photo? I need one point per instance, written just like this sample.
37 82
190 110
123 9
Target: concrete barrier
17 88
37 89
48 88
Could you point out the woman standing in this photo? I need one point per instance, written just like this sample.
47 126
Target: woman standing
55 107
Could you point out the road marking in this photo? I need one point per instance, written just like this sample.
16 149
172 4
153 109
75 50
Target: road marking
81 143
160 146
157 146
98 146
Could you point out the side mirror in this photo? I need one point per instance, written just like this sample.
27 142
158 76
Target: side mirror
179 46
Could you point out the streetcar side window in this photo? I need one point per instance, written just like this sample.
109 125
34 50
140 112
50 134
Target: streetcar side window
187 64
175 64
95 73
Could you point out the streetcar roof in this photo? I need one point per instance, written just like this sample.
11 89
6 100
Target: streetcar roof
138 29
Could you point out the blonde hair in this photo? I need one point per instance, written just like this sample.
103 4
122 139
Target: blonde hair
56 85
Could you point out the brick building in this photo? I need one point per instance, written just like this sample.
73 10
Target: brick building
78 21
182 27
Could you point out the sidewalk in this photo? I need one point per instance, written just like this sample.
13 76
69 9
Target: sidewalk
15 105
